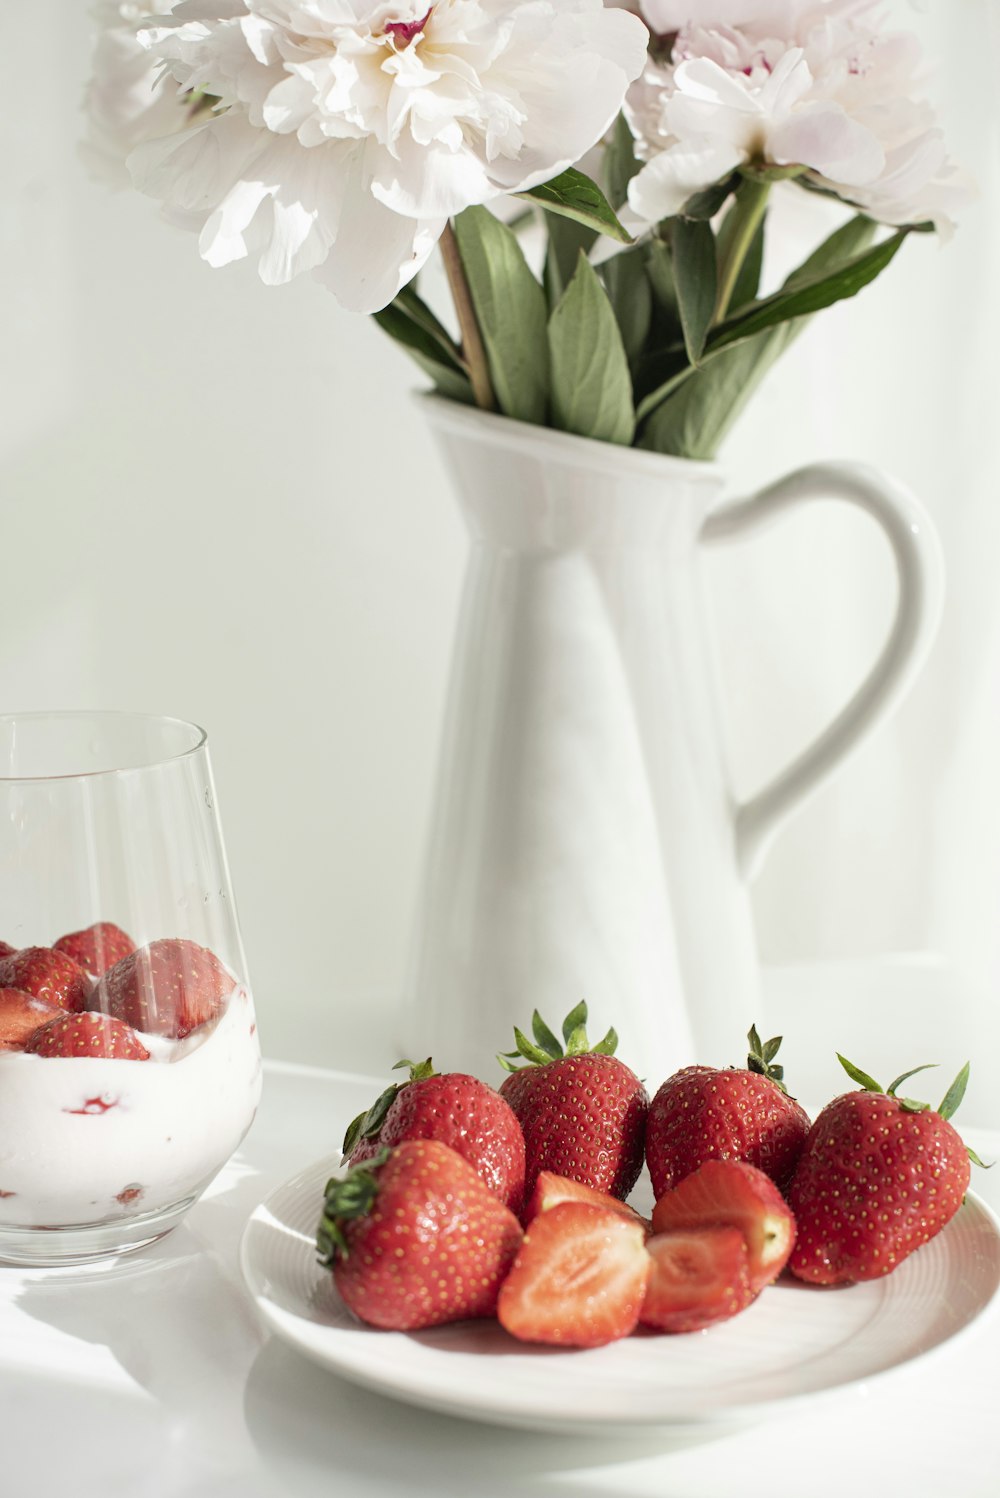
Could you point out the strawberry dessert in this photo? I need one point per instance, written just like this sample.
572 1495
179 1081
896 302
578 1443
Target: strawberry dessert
125 1085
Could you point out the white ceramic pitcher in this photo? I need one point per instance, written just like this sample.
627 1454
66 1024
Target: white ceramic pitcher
585 841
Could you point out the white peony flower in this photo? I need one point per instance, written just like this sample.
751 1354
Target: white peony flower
345 133
814 84
128 99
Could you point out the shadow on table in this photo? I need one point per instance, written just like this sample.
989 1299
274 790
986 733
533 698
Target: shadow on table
318 1434
175 1316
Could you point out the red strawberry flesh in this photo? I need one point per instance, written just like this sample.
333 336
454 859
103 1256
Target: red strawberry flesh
578 1279
169 987
727 1193
21 1014
47 975
551 1189
433 1247
698 1278
96 948
87 1035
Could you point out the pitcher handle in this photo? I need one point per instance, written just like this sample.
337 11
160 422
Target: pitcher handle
920 569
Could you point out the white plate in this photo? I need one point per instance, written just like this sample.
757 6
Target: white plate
795 1340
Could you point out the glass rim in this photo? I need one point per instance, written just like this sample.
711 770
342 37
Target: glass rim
66 715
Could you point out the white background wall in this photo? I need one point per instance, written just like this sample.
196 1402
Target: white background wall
218 501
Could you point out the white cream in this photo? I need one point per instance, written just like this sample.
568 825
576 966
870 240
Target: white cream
85 1140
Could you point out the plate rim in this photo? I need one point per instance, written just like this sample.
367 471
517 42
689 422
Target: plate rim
283 1323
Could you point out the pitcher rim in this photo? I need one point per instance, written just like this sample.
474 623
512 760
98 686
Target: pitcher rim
504 431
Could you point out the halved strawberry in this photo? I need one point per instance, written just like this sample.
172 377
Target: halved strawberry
729 1193
697 1279
578 1279
169 987
551 1189
91 1035
97 948
21 1014
47 975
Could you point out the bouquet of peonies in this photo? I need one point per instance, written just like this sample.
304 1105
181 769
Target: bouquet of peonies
350 137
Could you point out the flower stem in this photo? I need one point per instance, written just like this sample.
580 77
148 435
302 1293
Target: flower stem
748 210
473 352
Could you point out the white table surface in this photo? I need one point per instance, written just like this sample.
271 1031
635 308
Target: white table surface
152 1378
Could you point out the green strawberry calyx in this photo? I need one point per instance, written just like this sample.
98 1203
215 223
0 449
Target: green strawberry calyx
344 1199
947 1107
761 1058
546 1047
368 1124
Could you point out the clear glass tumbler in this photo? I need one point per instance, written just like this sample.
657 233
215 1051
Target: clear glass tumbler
129 1058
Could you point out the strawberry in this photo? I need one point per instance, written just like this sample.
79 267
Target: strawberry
6 950
578 1279
47 975
460 1111
93 1035
551 1189
702 1113
582 1112
97 948
21 1014
168 988
415 1238
728 1193
697 1279
879 1176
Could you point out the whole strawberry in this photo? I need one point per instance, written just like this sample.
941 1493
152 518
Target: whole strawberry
169 987
415 1239
456 1109
879 1176
704 1113
96 948
87 1035
47 975
582 1111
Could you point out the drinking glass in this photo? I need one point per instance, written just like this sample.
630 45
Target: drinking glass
129 1057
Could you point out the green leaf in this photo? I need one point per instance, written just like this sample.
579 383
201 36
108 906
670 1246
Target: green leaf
706 204
510 310
890 1091
567 241
631 296
956 1092
574 1019
416 309
772 1047
528 1050
427 350
805 293
692 246
545 1037
576 1042
859 1076
608 1045
691 410
976 1160
620 162
591 384
575 196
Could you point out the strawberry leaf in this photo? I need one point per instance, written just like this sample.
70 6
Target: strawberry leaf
608 1045
545 1037
890 1091
976 1160
771 1047
955 1094
910 1105
528 1049
857 1075
344 1198
574 1020
367 1125
419 1070
576 1043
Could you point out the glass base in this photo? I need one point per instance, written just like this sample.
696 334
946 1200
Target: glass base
50 1248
